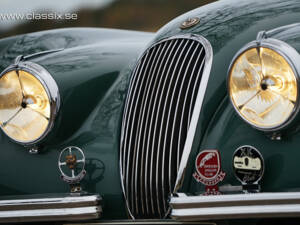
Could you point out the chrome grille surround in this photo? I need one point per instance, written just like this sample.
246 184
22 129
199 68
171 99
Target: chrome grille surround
161 113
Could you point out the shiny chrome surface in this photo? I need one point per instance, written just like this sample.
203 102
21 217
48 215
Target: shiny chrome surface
50 209
190 22
260 205
148 221
272 32
38 215
76 174
194 117
47 82
289 54
158 120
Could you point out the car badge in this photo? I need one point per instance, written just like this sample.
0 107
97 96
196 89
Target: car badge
71 163
208 171
248 167
190 22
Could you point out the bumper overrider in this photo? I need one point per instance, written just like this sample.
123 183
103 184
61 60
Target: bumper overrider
235 206
54 208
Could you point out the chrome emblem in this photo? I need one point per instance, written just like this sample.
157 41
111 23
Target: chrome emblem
248 167
71 163
190 22
208 171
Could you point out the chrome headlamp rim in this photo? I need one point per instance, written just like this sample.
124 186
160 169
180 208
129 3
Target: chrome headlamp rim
51 88
291 56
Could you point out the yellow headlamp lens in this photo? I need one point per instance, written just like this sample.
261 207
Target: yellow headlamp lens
24 106
263 87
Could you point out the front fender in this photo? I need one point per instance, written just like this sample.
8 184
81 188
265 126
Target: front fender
92 74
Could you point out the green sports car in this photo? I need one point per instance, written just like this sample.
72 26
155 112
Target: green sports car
197 122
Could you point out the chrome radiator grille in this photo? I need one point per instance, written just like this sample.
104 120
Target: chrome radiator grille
156 121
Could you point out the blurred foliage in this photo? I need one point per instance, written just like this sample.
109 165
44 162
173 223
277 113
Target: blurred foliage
144 15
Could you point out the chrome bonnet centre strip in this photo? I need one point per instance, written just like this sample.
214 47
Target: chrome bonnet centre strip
260 205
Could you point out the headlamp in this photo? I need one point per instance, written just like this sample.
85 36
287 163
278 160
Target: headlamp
29 101
263 85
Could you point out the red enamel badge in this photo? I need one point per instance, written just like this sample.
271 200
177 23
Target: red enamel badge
208 171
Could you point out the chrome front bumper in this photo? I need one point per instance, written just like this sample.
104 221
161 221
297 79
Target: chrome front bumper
233 206
62 208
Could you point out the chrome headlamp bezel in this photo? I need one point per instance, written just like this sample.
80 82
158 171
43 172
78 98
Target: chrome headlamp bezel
50 87
290 55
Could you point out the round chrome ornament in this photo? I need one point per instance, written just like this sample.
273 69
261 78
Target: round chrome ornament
71 164
190 22
248 165
29 102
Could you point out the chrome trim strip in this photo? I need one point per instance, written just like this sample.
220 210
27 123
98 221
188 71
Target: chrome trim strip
141 221
50 209
163 88
43 53
160 97
260 205
151 199
164 110
151 71
290 55
156 118
122 158
170 109
197 110
155 81
37 215
234 199
128 153
172 101
186 94
193 95
50 86
35 203
237 212
277 30
207 61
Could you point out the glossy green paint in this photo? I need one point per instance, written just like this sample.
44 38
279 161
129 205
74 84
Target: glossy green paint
92 73
228 26
227 131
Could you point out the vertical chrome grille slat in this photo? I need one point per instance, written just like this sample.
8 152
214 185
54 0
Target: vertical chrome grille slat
177 105
146 123
173 121
160 153
125 116
156 120
147 68
153 81
186 95
166 89
194 95
126 132
155 126
136 145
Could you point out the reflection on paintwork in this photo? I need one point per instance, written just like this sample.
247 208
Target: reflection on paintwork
95 169
226 36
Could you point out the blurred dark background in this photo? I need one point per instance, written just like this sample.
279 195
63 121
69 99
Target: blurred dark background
143 15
